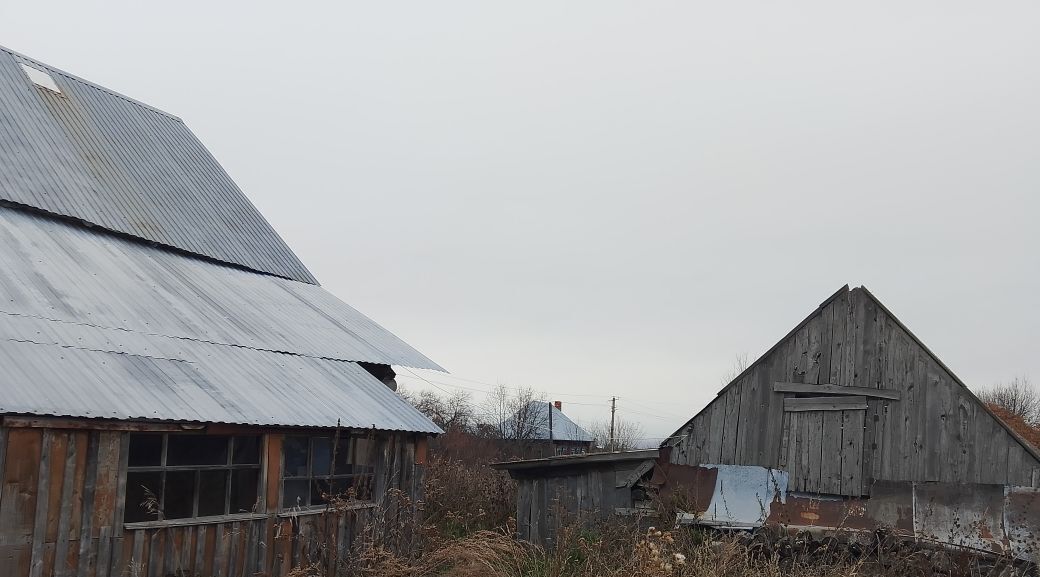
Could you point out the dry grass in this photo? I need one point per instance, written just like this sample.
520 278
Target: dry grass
468 531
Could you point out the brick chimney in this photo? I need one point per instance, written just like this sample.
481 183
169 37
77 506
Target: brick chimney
558 405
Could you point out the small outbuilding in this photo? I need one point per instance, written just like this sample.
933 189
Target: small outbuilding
578 488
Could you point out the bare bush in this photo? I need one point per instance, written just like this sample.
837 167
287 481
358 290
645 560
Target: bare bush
451 411
627 435
1017 397
740 364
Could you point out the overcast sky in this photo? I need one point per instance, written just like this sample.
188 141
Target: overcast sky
597 198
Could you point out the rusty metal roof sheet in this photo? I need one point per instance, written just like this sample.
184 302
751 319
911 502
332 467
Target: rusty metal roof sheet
91 154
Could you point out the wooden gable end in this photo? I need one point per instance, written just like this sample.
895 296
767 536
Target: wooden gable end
851 396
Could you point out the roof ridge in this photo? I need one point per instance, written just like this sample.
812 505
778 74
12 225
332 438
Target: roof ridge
81 80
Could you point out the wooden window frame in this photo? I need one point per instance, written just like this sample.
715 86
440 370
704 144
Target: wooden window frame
311 478
229 466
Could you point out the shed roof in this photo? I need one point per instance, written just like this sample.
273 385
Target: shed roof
94 155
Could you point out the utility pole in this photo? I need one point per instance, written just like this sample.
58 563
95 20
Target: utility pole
613 407
552 448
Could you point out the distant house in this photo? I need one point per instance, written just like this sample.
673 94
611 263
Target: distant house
179 395
540 429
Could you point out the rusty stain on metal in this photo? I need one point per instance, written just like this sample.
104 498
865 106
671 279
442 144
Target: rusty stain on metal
988 518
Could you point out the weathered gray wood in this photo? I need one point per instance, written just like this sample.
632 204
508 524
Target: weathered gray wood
220 547
86 552
830 466
104 555
919 422
715 431
137 562
155 555
825 404
200 548
629 478
120 510
730 425
815 450
523 508
829 389
852 453
42 501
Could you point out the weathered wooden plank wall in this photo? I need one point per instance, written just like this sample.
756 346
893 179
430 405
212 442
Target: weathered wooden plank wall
61 509
934 430
548 499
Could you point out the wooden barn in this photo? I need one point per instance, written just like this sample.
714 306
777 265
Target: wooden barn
850 397
178 394
848 423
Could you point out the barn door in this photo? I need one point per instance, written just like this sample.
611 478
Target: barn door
822 444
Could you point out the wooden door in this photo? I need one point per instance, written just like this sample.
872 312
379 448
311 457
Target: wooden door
822 445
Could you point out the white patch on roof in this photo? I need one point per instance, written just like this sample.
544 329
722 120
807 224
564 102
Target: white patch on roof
40 78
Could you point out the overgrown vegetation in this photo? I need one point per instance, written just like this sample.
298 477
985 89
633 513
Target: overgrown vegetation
467 530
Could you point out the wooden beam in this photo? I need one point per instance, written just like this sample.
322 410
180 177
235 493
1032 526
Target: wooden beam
826 389
87 424
825 404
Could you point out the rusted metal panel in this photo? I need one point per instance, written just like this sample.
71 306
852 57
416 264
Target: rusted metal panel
1022 521
987 518
959 514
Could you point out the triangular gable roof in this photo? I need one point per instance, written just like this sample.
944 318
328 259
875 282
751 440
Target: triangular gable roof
1030 449
96 156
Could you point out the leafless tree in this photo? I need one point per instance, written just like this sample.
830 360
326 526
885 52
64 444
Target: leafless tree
628 435
450 411
1019 397
740 364
515 413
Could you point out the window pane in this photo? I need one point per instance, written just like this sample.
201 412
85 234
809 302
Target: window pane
212 492
196 450
363 457
295 449
319 486
361 487
244 490
321 455
142 494
342 458
246 451
145 450
179 494
296 493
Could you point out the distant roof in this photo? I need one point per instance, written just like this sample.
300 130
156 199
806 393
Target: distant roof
563 428
91 154
94 325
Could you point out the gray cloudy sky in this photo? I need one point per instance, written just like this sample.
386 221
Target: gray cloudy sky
598 197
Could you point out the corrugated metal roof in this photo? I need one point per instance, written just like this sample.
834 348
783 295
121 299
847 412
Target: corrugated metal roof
537 415
136 376
72 275
96 325
97 156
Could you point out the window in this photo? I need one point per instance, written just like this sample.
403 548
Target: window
316 467
173 476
